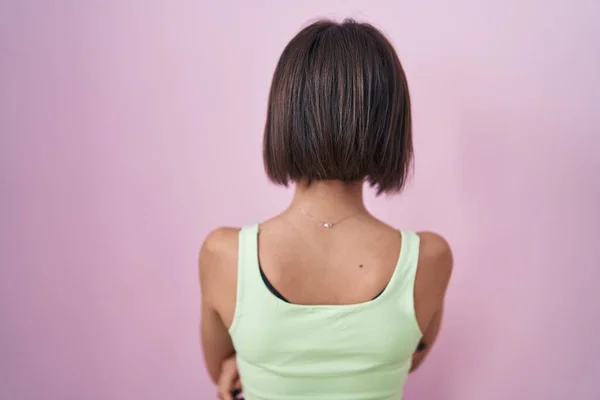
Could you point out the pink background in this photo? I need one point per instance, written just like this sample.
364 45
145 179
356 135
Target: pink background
129 129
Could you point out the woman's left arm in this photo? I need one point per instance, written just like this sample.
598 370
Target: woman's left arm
214 256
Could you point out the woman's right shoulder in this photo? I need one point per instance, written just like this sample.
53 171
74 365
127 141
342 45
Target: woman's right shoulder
434 269
435 257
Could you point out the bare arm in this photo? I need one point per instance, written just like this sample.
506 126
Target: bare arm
433 276
427 341
215 256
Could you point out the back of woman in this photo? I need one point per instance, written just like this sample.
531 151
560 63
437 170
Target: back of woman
324 300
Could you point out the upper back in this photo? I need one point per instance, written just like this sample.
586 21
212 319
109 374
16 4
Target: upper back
349 264
350 320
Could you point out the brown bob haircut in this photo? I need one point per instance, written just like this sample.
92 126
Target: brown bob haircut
339 109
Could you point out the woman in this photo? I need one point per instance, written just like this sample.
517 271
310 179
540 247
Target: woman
324 301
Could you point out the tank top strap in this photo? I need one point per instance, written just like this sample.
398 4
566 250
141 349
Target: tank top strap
248 271
248 263
401 286
411 243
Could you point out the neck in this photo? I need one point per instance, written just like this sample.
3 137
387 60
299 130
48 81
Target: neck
329 199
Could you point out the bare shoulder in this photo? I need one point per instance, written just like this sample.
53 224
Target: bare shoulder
220 241
218 254
435 257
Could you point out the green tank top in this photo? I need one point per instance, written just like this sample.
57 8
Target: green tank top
360 351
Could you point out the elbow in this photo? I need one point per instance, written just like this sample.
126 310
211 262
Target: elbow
415 365
214 374
418 356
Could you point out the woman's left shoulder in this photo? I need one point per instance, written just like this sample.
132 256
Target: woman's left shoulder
221 239
219 250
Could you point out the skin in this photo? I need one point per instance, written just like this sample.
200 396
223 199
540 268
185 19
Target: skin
312 265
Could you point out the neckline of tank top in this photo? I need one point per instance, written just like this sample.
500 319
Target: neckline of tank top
402 254
278 294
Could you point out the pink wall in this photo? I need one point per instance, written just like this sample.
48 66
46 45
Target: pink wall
131 128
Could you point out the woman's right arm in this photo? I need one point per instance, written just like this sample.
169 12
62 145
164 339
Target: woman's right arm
432 278
427 341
